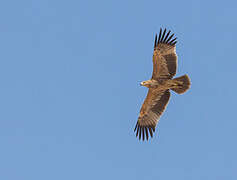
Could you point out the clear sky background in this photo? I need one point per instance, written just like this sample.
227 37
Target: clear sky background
70 94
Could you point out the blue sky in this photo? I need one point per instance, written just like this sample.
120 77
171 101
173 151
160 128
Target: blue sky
70 94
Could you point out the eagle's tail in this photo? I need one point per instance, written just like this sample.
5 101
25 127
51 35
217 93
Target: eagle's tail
182 84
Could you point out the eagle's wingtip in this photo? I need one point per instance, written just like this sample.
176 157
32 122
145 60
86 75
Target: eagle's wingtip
142 132
163 38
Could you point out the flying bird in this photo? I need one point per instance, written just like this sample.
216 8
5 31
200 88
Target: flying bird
164 68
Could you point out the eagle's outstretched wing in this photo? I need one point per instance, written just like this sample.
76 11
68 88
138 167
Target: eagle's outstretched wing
151 110
164 56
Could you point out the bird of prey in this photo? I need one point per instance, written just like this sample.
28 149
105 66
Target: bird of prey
164 68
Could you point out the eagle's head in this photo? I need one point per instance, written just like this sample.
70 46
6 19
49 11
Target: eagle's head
149 83
145 83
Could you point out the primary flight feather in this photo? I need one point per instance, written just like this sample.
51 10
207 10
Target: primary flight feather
164 68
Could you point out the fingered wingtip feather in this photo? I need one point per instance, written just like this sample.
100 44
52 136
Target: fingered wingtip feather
151 133
146 133
163 35
159 35
135 127
173 41
155 44
153 128
167 36
137 131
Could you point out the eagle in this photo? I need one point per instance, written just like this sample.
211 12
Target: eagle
160 84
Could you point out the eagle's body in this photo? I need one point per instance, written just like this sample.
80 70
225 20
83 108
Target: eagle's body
160 85
164 68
